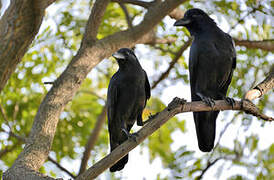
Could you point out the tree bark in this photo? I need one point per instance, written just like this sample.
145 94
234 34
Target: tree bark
176 106
89 55
263 87
267 45
18 27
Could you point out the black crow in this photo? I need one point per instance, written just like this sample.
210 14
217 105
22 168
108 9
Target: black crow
212 61
128 92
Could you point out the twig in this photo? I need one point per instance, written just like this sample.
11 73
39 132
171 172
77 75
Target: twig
176 106
48 82
92 93
5 116
241 19
136 2
172 63
209 164
61 167
8 149
128 18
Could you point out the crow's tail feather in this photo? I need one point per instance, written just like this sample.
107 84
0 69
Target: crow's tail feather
120 164
205 123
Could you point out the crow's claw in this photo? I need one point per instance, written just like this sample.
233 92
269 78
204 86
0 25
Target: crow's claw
126 132
209 101
132 136
230 101
175 103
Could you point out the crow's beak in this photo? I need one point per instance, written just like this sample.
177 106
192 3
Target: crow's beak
182 22
118 55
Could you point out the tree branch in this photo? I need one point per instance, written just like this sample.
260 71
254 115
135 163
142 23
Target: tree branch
94 20
61 167
136 2
209 164
16 36
175 107
128 18
89 55
266 85
8 149
167 40
267 45
172 63
92 139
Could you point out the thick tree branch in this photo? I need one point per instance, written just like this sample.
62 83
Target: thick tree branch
266 85
172 63
18 27
95 18
92 139
175 107
155 40
89 55
267 45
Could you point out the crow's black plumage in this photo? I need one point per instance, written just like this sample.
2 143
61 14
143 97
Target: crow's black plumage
128 92
212 61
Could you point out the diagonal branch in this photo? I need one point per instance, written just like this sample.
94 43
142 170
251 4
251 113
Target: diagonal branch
175 107
128 18
92 139
95 18
64 88
177 56
8 149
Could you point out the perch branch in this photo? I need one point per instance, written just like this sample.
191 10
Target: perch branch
263 87
175 107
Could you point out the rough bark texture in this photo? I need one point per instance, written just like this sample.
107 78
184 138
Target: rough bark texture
268 83
175 107
25 18
263 87
18 27
89 55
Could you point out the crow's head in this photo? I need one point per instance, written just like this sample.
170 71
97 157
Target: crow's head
125 57
195 20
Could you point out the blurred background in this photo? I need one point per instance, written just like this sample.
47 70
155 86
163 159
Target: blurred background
244 144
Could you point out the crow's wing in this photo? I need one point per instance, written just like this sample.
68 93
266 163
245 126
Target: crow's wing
193 62
147 87
112 99
231 55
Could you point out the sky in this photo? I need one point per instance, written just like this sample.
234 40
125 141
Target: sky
139 167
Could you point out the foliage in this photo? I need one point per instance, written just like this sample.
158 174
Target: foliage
59 40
